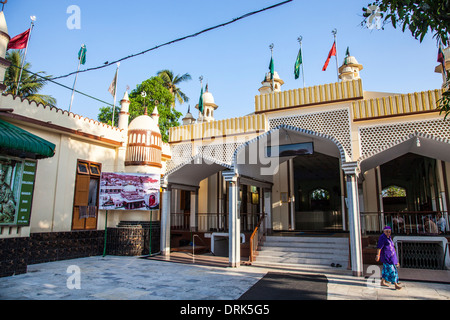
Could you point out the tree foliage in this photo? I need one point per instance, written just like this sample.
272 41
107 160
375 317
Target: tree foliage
30 84
156 95
420 17
171 82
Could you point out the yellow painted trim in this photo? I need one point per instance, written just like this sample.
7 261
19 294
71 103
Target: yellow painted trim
410 103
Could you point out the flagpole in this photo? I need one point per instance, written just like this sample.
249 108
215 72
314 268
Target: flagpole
334 32
74 83
33 18
115 91
301 53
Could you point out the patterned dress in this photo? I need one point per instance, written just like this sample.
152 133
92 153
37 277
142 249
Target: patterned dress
389 259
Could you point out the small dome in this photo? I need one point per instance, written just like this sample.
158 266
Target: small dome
351 60
144 122
208 97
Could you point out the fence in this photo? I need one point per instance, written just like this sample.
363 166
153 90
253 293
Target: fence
408 222
211 222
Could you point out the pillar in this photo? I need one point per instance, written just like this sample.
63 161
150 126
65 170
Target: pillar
234 221
194 211
354 220
291 193
268 209
165 219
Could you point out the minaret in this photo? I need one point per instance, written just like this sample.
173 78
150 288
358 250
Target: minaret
272 81
4 40
124 114
189 118
208 107
155 116
267 83
350 68
144 144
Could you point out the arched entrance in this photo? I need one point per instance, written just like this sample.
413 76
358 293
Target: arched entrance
415 169
318 193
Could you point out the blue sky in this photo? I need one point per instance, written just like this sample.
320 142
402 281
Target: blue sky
232 59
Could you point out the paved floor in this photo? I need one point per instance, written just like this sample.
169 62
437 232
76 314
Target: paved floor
133 278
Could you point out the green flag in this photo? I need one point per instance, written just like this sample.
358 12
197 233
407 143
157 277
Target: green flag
298 63
271 68
82 54
347 54
200 102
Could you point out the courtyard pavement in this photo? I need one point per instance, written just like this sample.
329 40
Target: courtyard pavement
134 278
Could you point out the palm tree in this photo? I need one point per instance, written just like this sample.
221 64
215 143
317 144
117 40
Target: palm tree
30 84
171 82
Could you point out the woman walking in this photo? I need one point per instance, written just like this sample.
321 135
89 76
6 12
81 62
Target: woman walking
386 253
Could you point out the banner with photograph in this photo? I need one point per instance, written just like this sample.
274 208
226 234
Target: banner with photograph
129 191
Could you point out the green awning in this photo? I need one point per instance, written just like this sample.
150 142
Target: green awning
15 141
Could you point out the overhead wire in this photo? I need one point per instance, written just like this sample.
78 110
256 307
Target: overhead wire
64 86
176 40
52 80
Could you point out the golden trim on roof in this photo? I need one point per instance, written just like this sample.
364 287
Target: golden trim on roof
219 128
396 105
327 93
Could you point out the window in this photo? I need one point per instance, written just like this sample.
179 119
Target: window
85 203
83 168
393 192
320 194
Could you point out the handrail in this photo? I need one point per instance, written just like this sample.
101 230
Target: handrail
253 248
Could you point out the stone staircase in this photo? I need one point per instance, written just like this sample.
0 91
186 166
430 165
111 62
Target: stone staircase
304 251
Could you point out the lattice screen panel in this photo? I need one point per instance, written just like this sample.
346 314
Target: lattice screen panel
378 137
182 153
335 123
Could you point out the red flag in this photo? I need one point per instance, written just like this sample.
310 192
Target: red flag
441 57
19 41
332 53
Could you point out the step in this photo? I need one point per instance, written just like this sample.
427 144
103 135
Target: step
320 251
307 240
303 261
277 252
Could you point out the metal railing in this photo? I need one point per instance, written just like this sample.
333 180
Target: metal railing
406 222
257 237
211 222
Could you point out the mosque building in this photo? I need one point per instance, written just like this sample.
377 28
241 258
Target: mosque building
310 178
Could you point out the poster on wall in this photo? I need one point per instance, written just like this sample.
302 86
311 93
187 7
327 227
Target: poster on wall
16 190
129 191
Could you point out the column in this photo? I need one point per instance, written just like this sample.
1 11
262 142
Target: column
194 211
268 209
291 193
165 219
442 190
380 205
354 221
234 221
